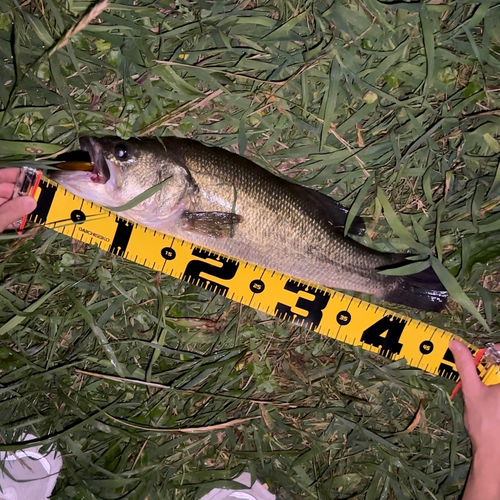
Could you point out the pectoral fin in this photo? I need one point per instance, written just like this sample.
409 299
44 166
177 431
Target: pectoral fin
216 224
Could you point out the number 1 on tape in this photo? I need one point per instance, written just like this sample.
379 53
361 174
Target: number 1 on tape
320 309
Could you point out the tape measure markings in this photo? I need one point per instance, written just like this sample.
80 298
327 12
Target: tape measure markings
357 322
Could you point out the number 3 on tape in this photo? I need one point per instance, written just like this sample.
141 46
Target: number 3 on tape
322 310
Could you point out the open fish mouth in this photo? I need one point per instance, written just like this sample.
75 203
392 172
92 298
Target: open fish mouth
100 170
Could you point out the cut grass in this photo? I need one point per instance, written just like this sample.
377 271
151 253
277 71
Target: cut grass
152 388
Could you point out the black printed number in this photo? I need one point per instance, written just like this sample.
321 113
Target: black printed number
385 333
41 212
446 369
122 236
313 307
211 265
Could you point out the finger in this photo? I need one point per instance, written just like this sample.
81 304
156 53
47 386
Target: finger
6 190
9 174
471 383
15 209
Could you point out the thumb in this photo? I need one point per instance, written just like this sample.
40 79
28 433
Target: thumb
471 383
15 209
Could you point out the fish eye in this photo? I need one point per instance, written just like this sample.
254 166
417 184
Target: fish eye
121 151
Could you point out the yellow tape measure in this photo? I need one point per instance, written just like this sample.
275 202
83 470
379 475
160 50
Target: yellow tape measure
320 309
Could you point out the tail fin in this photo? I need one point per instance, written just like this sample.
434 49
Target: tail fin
422 291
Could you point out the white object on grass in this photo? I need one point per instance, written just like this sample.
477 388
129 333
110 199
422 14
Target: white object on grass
256 492
27 474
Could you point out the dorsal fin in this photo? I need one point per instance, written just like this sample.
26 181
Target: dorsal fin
335 212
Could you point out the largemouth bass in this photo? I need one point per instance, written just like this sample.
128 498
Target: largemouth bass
220 200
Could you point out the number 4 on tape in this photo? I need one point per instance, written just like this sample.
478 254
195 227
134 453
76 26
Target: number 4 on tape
322 310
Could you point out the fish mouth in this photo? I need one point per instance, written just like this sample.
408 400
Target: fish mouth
100 170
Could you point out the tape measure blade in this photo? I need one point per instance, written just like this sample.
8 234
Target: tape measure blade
325 311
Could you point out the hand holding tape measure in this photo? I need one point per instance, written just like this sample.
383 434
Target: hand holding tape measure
12 207
320 309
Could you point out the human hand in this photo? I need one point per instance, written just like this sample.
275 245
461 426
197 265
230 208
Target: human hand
482 421
12 210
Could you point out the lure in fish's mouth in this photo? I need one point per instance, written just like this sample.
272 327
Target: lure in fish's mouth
89 173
